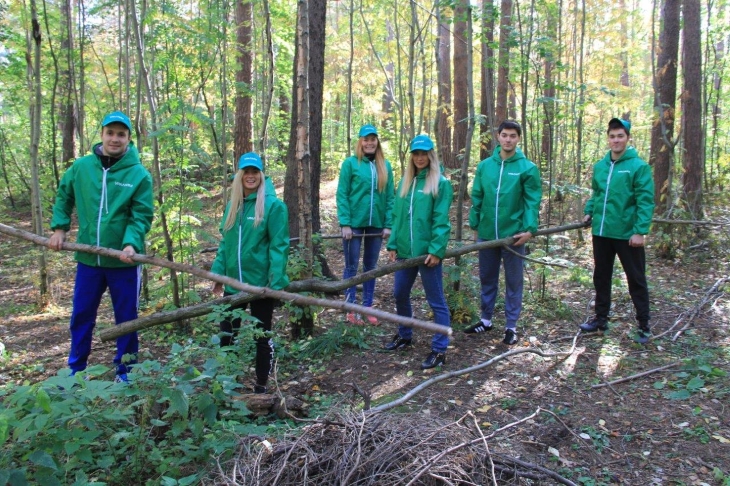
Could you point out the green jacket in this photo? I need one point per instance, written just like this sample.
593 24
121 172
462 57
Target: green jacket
505 196
256 255
421 221
622 203
359 203
114 205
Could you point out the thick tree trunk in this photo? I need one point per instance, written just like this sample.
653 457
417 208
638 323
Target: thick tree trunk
487 125
665 94
443 62
242 137
461 104
505 27
694 146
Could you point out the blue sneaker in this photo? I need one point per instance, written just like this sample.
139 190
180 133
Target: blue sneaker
121 378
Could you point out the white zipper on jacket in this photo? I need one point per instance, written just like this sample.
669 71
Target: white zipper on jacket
103 205
410 212
605 198
240 234
373 180
496 203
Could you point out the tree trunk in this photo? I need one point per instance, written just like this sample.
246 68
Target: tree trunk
661 155
443 63
34 85
505 28
694 159
487 125
66 110
242 137
156 168
464 173
461 104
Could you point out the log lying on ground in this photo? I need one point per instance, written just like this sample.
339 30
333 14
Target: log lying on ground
253 291
315 285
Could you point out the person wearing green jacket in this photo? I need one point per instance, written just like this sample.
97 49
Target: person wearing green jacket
365 197
620 210
505 203
112 193
421 227
254 249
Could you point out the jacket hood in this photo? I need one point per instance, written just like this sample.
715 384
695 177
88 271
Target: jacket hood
518 155
130 157
630 153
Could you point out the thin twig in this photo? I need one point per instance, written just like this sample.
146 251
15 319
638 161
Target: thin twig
534 260
638 375
452 374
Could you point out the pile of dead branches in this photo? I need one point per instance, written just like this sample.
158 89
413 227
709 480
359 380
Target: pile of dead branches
375 449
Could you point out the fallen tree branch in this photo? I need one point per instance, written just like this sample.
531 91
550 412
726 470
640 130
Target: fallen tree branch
452 374
256 292
689 221
638 375
309 285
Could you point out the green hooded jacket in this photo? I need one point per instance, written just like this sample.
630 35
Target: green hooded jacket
421 221
622 203
256 255
359 203
114 206
505 196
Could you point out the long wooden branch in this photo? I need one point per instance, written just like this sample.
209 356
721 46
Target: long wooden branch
255 292
336 286
310 285
471 369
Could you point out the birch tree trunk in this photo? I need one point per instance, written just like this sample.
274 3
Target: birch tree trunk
156 169
34 85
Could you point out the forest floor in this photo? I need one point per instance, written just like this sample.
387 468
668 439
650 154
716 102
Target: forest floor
667 427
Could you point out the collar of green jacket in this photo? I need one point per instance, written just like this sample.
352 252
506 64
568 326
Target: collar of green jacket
630 153
518 155
130 157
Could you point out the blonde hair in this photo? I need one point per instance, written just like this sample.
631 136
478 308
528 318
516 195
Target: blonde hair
237 201
432 179
379 162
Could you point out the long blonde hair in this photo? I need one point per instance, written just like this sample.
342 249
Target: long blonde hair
379 162
237 201
432 179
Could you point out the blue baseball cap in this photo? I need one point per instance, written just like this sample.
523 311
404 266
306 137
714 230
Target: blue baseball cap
421 142
626 124
250 159
117 117
366 130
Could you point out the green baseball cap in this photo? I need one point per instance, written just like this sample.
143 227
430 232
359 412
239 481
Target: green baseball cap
117 117
250 159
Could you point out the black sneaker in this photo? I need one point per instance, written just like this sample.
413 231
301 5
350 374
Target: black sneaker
595 325
478 327
259 388
510 337
397 343
433 360
643 333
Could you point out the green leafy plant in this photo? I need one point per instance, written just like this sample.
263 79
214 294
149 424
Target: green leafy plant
163 426
334 340
600 439
464 302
